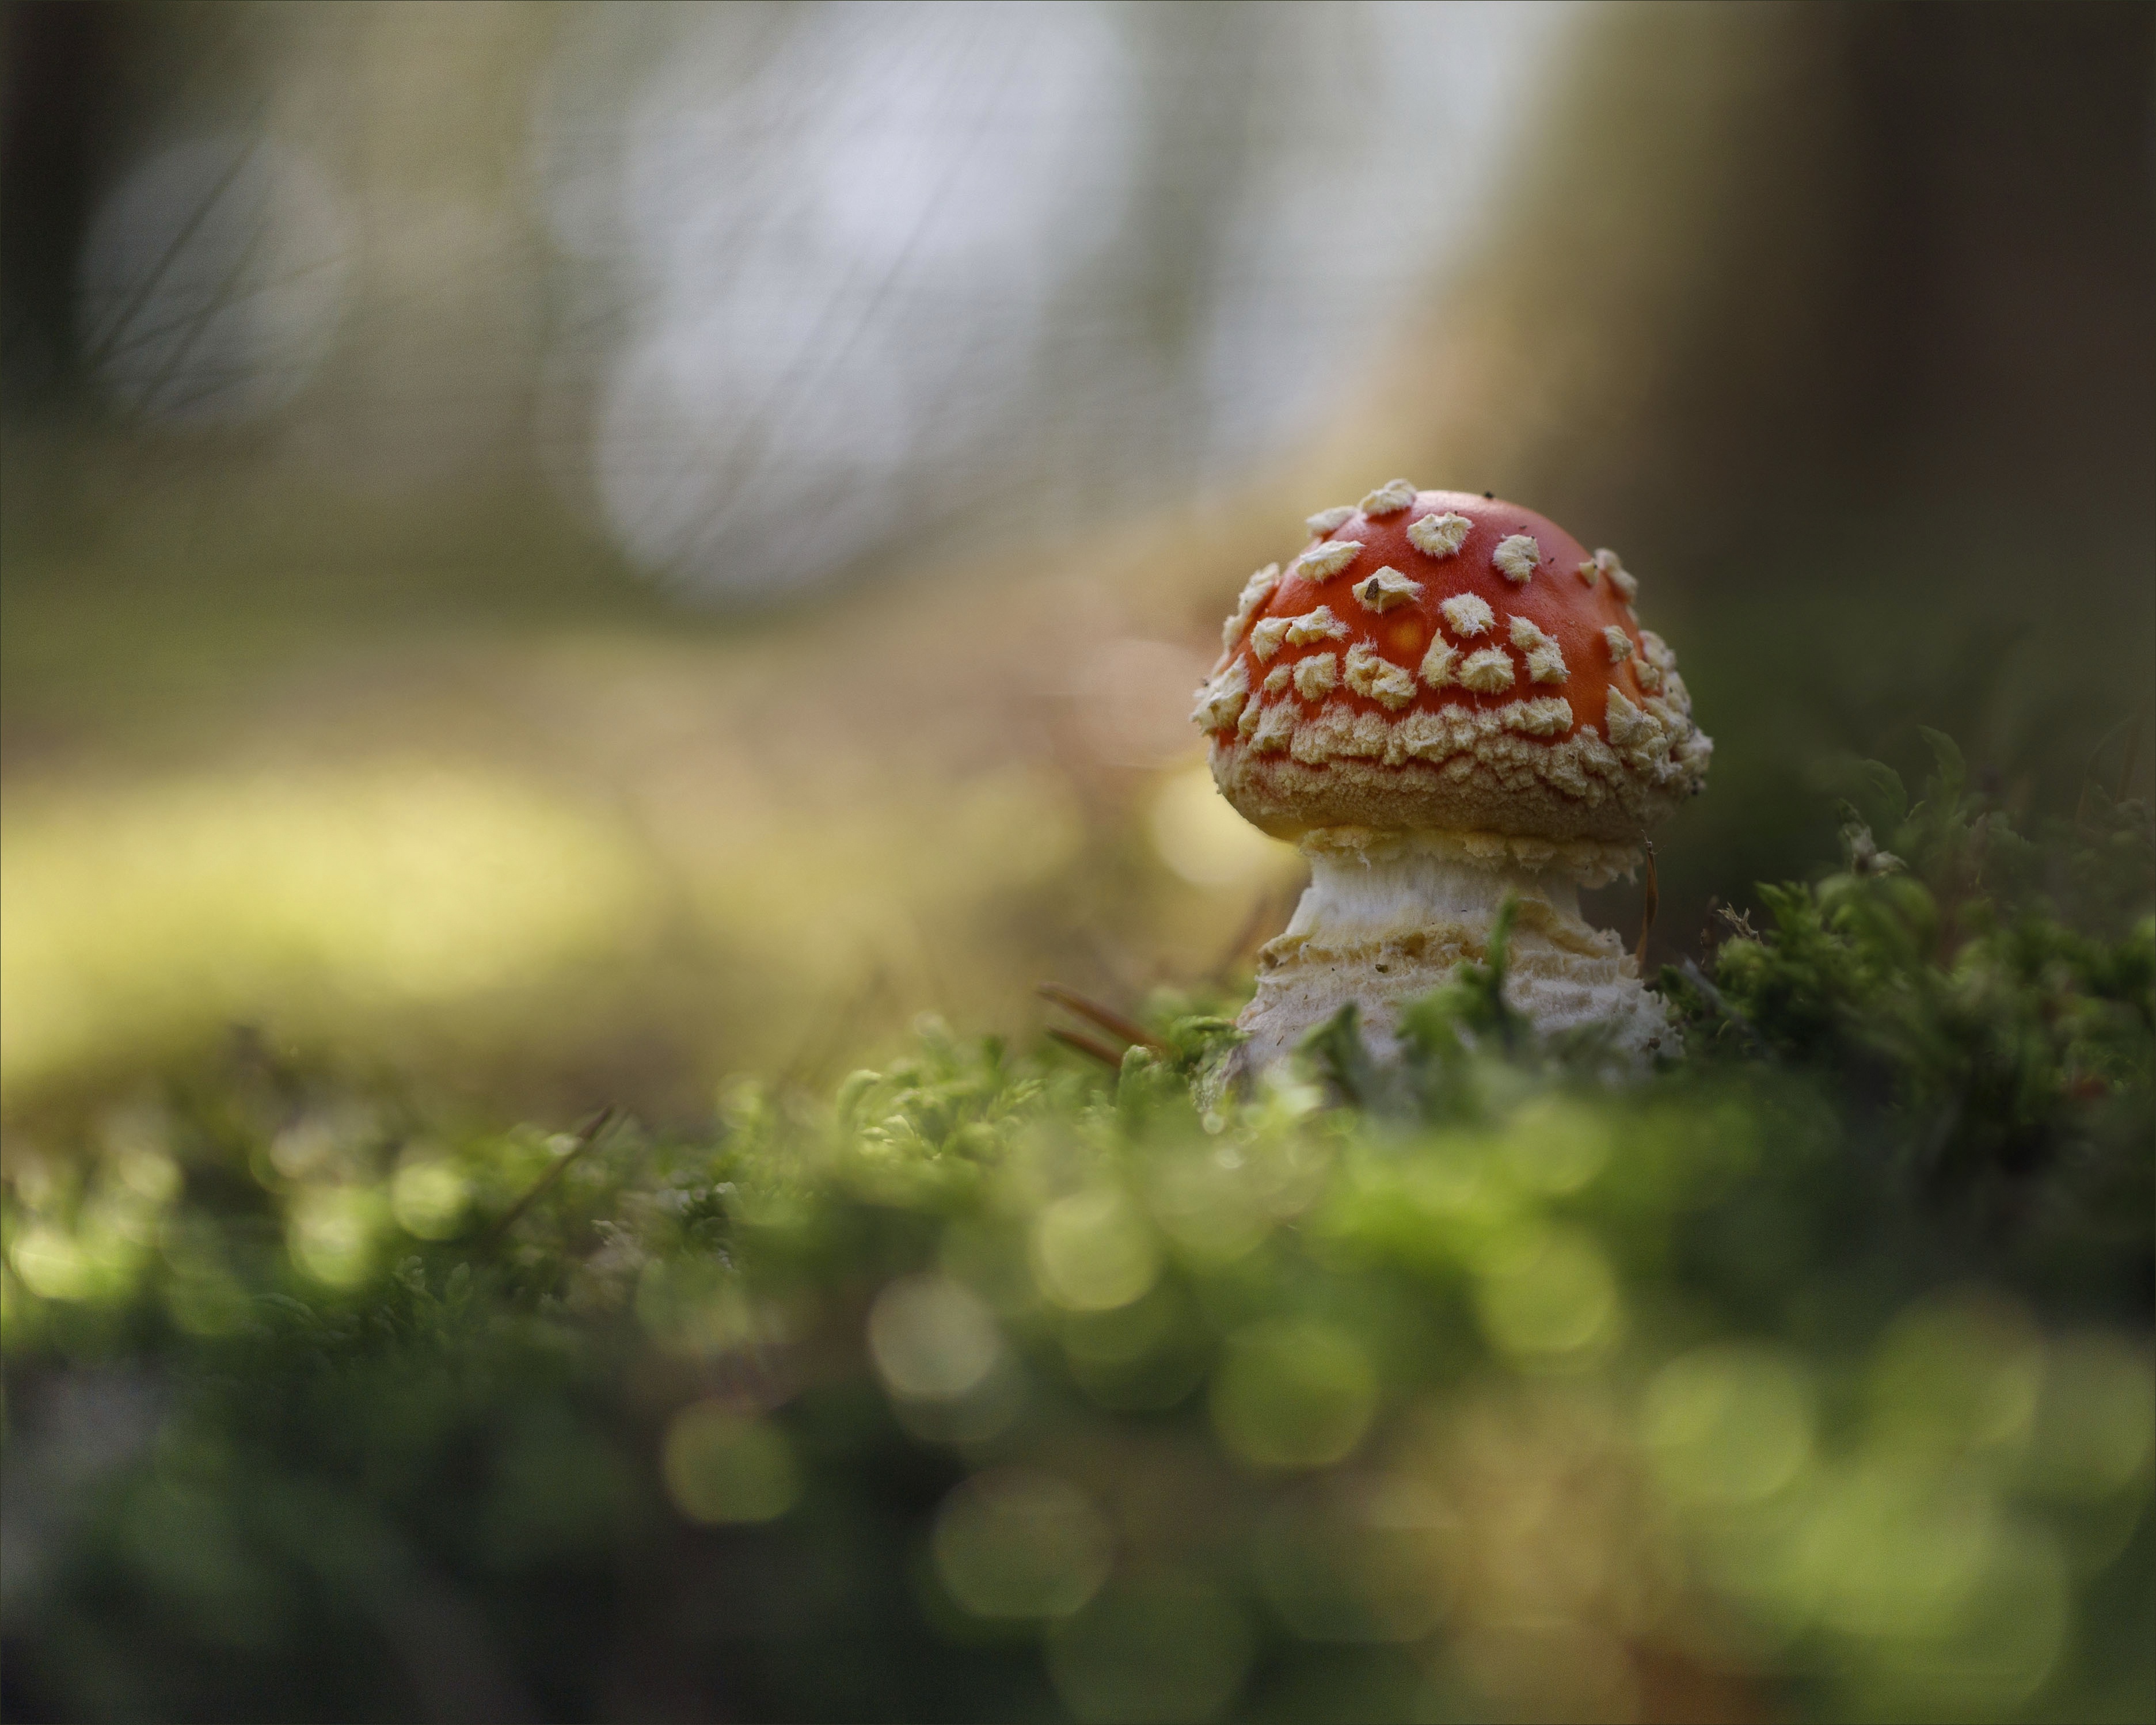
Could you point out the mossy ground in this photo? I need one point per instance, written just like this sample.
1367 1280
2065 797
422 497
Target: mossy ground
1809 1375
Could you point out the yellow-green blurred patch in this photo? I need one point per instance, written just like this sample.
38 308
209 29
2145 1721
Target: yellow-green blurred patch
1728 1425
1019 1543
1294 1393
721 1467
1201 837
133 915
1092 1251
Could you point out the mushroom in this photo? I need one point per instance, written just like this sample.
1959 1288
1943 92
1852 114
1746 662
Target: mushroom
1445 699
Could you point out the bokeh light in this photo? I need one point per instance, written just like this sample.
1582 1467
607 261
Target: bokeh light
1208 843
1020 1543
1292 1393
931 1340
1548 1297
1729 1425
213 280
846 252
1093 1251
720 1467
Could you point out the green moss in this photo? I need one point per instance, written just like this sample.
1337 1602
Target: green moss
1809 1373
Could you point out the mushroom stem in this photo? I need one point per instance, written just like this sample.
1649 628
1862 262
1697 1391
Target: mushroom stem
1387 916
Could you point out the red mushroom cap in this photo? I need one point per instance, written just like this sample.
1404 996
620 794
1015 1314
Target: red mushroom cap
1438 661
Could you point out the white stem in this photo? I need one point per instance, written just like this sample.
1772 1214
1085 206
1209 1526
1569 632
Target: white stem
1389 917
1387 891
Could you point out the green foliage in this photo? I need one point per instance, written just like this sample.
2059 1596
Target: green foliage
1807 1375
1986 1005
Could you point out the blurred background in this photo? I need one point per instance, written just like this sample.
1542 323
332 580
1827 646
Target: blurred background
551 557
573 550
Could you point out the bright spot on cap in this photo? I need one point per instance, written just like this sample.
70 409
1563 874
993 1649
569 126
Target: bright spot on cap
1293 1393
931 1339
1020 1543
1092 1251
720 1468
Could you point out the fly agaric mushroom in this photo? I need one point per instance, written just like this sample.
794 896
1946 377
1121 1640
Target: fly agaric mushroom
1442 700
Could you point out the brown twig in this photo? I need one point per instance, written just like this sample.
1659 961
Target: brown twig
2131 726
1087 1045
587 1135
1107 1017
1652 902
2133 752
